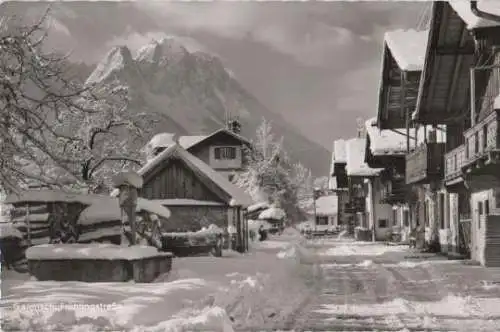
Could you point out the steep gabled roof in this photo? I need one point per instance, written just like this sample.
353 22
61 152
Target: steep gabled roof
473 21
238 197
407 48
356 166
190 141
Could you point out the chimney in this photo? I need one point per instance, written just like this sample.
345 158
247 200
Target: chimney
234 126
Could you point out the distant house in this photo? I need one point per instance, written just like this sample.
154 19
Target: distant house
224 150
361 178
327 211
195 193
338 179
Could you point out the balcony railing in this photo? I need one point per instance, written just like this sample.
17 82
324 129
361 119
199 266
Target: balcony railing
454 160
425 163
393 191
482 138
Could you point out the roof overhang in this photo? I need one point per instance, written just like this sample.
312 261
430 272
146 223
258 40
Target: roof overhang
444 85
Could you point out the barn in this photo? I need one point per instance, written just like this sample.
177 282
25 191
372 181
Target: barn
195 193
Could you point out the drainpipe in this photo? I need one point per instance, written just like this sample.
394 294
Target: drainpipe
479 13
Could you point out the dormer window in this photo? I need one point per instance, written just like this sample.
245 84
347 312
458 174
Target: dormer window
225 153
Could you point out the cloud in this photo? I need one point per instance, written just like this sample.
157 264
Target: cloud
286 29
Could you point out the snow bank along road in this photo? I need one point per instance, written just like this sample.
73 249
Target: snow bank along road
363 287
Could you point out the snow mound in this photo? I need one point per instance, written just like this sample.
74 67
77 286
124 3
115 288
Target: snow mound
205 231
91 251
116 59
273 213
208 319
362 249
257 206
108 209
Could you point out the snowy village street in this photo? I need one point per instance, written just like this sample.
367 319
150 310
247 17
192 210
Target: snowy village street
369 287
285 283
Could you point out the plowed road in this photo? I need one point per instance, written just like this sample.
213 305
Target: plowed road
401 292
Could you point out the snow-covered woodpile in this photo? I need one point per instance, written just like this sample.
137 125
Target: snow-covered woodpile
32 221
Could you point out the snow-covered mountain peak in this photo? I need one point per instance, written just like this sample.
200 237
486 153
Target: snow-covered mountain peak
116 60
164 50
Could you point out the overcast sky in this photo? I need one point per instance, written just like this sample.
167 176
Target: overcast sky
318 63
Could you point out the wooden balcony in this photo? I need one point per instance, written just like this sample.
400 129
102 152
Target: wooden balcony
482 143
425 163
454 161
393 191
355 205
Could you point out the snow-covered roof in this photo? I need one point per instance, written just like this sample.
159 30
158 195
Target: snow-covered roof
162 140
384 142
185 201
188 141
91 251
45 196
339 151
408 47
462 8
355 152
327 205
272 213
257 206
238 196
108 209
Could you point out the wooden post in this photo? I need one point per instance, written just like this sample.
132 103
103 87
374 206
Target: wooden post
472 96
28 223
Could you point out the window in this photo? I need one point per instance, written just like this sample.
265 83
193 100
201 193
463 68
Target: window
382 223
321 220
395 217
225 153
486 207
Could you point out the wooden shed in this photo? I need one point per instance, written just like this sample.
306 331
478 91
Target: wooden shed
195 193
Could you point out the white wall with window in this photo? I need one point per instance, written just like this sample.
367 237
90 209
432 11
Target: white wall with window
225 157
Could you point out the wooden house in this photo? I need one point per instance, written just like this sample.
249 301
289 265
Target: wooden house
224 150
362 186
402 61
326 212
387 149
195 193
461 84
338 182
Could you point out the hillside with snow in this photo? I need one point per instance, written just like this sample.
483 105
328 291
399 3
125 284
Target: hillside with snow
192 91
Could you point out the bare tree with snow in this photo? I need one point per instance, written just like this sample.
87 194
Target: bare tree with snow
54 130
270 176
